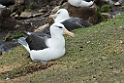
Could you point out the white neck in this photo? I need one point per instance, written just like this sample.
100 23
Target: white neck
60 19
57 41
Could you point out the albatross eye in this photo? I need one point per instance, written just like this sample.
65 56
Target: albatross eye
60 27
58 13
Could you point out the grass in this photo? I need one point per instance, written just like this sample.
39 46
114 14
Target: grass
95 55
105 8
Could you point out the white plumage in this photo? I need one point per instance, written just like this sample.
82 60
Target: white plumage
70 23
55 45
81 3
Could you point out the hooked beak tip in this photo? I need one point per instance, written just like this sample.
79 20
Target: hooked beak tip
69 33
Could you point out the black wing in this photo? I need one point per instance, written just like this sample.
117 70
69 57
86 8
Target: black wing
74 23
36 41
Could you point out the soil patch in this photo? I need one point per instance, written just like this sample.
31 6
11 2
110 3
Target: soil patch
9 67
18 72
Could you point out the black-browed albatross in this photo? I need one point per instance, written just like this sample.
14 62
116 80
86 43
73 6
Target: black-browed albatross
81 3
46 48
70 23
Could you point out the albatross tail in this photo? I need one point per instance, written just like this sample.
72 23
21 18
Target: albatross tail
23 42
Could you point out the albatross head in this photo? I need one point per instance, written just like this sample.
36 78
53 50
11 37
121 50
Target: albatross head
60 16
58 29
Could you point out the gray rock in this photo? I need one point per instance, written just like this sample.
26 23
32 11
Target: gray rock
7 46
6 22
26 15
85 13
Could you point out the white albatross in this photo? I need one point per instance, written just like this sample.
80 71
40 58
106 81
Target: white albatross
70 23
81 3
50 48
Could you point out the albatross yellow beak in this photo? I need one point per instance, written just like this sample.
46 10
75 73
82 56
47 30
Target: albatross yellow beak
53 16
65 30
69 33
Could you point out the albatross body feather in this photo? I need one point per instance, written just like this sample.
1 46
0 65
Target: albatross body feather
53 47
70 23
81 3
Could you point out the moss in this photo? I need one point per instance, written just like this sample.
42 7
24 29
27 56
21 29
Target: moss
61 6
105 8
32 6
98 8
17 35
100 17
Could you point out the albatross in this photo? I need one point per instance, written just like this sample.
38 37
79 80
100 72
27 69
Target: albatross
70 23
46 48
81 3
2 6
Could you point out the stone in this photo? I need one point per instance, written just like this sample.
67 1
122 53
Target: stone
16 16
117 4
20 2
13 8
107 15
13 14
85 13
41 28
105 1
55 9
102 2
6 22
17 6
41 10
37 14
4 12
25 15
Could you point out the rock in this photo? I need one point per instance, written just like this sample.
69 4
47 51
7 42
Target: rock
113 14
101 2
20 2
7 46
105 1
117 4
13 14
41 28
37 14
55 9
4 13
6 22
17 6
86 13
16 16
120 41
17 26
26 15
13 8
107 15
42 10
